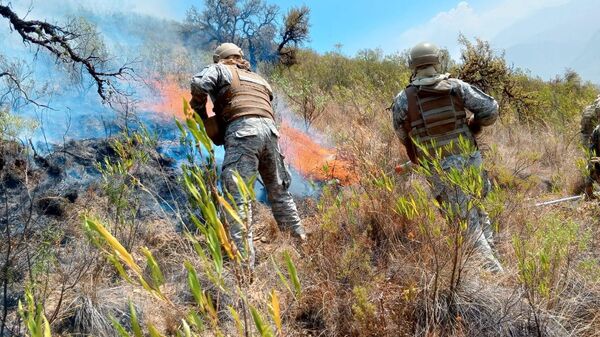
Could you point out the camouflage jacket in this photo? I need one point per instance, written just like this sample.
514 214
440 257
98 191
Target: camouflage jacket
483 106
589 120
594 142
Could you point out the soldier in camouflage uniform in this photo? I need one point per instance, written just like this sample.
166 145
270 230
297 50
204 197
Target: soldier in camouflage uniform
432 111
589 120
242 101
590 137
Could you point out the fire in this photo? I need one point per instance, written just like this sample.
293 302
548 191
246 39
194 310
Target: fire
171 98
311 159
308 157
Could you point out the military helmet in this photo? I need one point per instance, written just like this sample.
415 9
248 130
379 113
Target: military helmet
423 54
225 50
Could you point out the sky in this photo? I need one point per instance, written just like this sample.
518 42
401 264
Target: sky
395 26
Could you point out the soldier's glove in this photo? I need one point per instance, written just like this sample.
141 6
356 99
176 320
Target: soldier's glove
474 126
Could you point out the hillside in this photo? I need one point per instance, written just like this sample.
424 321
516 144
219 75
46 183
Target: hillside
546 43
116 226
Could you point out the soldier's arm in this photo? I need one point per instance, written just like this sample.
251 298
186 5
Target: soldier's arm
594 141
483 106
399 113
207 82
588 123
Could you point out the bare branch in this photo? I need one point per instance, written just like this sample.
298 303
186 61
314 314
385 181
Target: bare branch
62 43
22 91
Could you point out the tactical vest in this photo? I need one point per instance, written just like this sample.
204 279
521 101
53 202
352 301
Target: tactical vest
248 94
436 117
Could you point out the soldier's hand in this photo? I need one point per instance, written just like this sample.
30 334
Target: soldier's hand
403 168
399 169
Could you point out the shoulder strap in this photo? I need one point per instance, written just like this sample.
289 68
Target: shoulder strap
412 115
413 109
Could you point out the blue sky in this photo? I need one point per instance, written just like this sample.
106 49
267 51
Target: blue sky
366 24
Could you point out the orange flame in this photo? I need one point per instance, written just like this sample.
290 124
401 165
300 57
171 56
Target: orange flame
313 160
170 100
309 158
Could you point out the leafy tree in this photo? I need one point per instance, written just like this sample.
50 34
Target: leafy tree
295 32
487 70
527 99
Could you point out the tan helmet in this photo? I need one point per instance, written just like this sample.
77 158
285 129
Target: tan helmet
225 50
423 54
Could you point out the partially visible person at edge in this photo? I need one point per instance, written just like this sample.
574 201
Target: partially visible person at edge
242 103
590 138
431 110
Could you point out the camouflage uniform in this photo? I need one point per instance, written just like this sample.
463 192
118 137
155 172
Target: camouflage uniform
589 120
589 139
251 147
485 112
593 168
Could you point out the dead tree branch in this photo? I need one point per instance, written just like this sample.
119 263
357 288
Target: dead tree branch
61 42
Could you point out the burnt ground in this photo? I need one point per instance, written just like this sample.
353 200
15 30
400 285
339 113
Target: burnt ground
43 200
45 186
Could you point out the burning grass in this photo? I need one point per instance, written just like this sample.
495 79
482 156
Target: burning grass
312 160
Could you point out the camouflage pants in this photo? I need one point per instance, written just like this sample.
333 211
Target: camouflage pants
251 147
478 222
592 177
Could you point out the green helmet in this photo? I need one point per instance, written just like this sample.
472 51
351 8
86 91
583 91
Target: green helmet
423 54
225 50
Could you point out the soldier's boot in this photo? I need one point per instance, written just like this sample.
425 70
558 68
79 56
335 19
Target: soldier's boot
493 265
482 246
480 239
296 229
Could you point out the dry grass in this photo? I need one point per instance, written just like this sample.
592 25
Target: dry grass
366 271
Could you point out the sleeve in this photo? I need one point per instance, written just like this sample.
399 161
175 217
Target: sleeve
207 80
483 106
203 84
594 141
399 113
588 123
